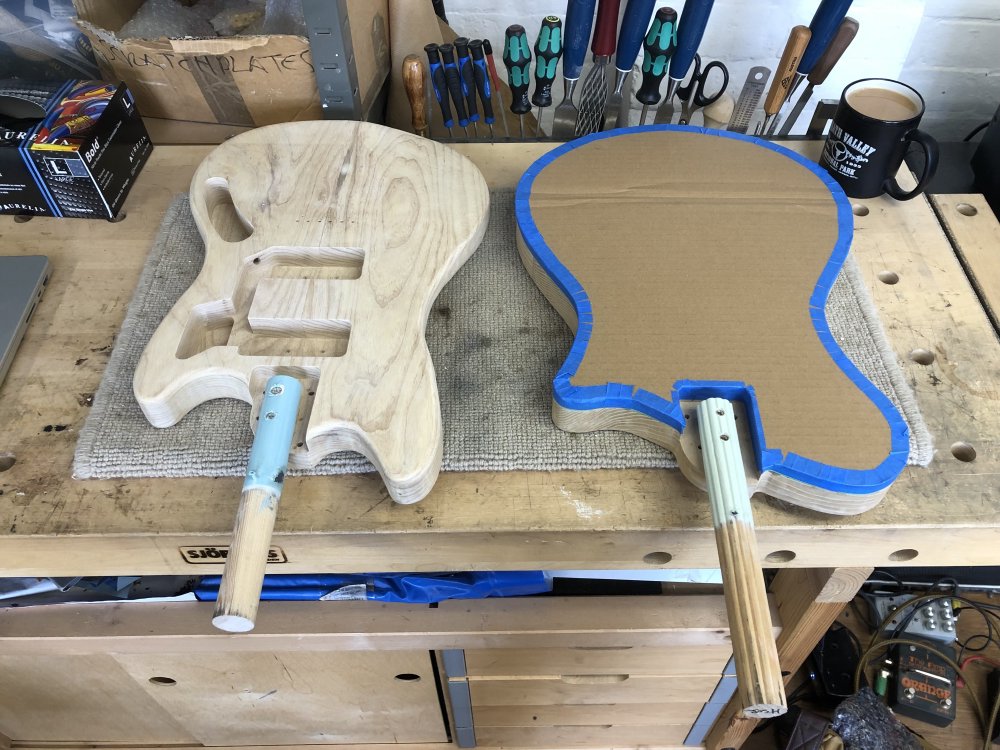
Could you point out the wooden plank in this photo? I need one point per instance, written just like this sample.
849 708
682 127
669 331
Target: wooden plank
592 690
82 699
54 525
156 628
345 746
602 660
620 715
608 737
295 697
974 232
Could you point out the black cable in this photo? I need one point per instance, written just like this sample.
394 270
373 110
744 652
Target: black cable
976 129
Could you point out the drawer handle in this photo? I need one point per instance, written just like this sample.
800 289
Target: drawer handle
593 679
602 648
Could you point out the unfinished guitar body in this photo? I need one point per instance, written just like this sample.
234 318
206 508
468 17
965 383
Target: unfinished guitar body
695 263
325 245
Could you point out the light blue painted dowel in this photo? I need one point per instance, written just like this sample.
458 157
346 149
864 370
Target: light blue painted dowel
243 575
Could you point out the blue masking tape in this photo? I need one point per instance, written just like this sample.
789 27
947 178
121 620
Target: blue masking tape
805 470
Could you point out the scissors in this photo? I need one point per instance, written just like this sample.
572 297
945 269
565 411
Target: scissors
692 94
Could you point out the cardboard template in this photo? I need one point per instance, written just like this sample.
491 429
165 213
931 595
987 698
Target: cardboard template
698 263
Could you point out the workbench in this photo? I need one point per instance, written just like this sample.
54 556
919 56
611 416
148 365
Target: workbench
918 258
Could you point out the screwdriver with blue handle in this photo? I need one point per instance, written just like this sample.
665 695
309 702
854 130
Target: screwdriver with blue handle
488 49
634 23
454 81
468 81
661 39
517 59
481 76
548 50
579 21
823 27
440 86
690 30
834 51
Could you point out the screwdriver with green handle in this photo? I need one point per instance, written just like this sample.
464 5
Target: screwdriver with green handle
454 80
468 81
481 76
548 50
517 59
630 38
690 30
661 39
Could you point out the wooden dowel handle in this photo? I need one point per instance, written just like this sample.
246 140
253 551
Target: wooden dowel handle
798 40
838 46
243 574
414 78
760 686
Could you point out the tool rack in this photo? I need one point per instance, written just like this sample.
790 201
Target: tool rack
534 672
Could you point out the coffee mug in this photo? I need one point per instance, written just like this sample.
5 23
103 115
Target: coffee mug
875 124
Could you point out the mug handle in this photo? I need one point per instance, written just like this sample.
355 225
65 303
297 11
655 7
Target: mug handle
930 149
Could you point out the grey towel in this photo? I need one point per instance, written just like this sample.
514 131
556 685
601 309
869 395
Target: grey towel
495 342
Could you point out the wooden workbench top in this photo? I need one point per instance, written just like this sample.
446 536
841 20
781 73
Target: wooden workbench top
53 525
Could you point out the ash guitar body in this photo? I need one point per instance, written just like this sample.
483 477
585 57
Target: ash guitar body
693 264
325 245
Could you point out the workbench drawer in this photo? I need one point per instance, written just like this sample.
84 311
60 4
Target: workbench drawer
594 714
604 660
607 736
593 690
220 699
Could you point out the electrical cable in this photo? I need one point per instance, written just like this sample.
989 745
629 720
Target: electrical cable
989 613
975 130
870 653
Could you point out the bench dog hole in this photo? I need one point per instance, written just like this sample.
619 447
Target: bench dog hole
657 558
780 556
963 452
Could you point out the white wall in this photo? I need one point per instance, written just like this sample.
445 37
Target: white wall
948 49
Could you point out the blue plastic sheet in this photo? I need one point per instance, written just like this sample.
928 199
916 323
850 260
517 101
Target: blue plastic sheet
413 588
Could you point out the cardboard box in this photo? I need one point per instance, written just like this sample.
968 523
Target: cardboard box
246 81
77 157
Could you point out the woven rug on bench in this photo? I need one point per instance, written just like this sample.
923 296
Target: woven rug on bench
495 342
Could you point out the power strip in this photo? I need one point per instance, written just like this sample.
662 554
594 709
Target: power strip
934 619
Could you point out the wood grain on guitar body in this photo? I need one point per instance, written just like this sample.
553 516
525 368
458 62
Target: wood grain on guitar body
325 245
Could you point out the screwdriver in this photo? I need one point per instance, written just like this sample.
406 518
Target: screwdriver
797 41
658 46
440 86
822 28
481 75
548 50
468 80
413 82
488 49
841 41
454 81
517 58
630 38
690 30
